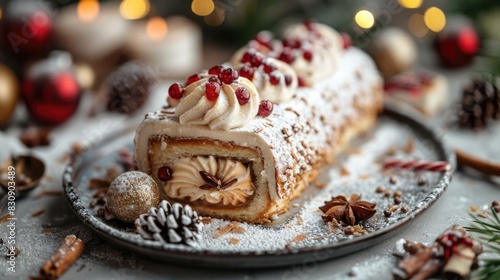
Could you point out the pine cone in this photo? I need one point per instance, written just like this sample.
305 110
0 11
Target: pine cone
128 87
170 224
480 104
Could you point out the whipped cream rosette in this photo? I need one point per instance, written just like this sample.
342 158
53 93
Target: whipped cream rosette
275 80
221 100
311 49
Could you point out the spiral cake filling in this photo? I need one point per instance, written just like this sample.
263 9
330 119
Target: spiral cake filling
216 181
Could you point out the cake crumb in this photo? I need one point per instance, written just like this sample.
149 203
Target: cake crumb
473 208
234 241
364 176
299 237
300 221
483 214
320 185
232 227
206 220
335 227
391 152
344 171
352 151
410 146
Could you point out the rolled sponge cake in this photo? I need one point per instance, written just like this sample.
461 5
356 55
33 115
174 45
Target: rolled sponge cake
252 172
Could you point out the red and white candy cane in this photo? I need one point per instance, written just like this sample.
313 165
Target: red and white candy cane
417 165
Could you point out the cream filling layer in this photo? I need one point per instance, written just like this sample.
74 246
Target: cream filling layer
186 181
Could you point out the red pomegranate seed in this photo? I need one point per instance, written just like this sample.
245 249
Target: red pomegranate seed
275 77
292 43
265 108
288 79
212 91
264 38
307 55
164 173
228 75
287 56
243 95
214 79
257 59
193 78
268 67
346 40
176 91
247 56
302 82
215 70
247 72
310 24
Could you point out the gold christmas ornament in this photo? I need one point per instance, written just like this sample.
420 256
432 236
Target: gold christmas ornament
9 94
394 51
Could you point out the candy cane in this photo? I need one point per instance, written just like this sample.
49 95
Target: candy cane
417 165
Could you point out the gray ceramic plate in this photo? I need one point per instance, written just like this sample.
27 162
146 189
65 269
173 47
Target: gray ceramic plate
299 237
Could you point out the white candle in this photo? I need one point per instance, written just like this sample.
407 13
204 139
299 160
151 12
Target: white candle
172 46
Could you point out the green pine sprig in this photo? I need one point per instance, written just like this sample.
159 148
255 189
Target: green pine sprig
488 231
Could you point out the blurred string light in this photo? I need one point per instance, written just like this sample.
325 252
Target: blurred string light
435 19
417 26
134 9
364 19
202 7
1 13
156 28
87 10
216 18
410 4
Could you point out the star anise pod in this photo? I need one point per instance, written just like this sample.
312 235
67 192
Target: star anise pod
348 211
212 182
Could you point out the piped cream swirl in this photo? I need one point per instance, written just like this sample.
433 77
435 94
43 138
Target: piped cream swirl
225 112
186 181
326 46
280 92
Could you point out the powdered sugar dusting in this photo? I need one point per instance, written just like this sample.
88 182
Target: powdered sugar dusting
305 229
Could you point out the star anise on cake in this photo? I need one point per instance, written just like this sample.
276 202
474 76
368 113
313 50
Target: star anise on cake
212 182
348 211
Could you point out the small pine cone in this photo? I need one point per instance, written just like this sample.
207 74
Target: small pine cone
128 87
480 104
170 224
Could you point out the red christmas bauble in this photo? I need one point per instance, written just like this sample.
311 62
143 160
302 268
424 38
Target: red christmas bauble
26 28
53 98
457 44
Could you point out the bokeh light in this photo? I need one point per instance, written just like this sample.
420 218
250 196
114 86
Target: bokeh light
417 26
202 7
1 13
156 28
134 9
87 10
216 18
435 19
410 4
364 19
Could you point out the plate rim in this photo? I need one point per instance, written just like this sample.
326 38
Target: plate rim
288 256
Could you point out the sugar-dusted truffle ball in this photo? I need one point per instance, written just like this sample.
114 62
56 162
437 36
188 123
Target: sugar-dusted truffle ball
132 194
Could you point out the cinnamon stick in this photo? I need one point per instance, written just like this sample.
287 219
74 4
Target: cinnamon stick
67 253
414 263
479 164
428 270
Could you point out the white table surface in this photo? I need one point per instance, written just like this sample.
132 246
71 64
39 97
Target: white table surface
103 261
